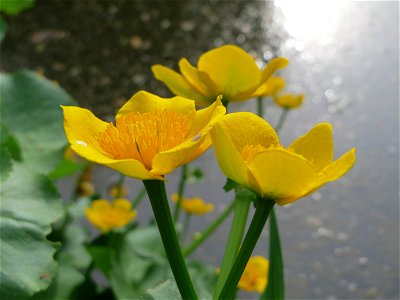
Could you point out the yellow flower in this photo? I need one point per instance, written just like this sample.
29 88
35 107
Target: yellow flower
289 101
195 205
272 86
118 191
107 216
248 152
227 71
151 138
255 275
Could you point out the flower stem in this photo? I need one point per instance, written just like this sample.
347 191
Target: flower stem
241 211
260 106
186 225
159 202
181 189
260 217
281 120
200 238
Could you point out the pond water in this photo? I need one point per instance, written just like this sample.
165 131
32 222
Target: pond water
341 242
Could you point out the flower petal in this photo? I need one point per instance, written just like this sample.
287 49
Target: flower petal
231 69
177 84
199 80
282 173
198 141
339 167
316 145
122 204
245 128
229 159
270 87
330 173
143 102
273 66
83 132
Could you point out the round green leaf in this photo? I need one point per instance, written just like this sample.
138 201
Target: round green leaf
30 107
29 204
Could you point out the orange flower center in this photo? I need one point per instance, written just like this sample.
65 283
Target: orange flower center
249 151
141 136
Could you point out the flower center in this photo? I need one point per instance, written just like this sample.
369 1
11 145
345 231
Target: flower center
141 136
249 151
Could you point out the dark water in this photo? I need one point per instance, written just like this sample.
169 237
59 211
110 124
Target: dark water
341 242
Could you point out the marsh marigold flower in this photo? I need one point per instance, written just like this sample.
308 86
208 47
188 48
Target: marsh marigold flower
195 205
248 152
152 135
107 216
255 275
227 71
289 101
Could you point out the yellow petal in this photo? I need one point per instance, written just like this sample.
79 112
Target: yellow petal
100 204
332 172
245 128
198 141
273 66
231 135
122 204
232 70
270 87
199 80
316 145
143 102
339 167
281 173
289 101
83 131
178 84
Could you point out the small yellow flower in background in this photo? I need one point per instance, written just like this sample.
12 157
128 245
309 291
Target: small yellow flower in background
289 101
255 275
195 205
228 70
85 188
248 151
273 85
151 138
107 216
118 191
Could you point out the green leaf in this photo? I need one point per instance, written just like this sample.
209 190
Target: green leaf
66 168
63 285
230 185
3 28
14 7
8 152
31 110
29 205
276 282
166 290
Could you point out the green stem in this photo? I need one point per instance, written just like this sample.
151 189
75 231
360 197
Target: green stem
260 106
276 282
181 189
200 238
139 198
186 225
253 234
159 202
281 120
241 211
